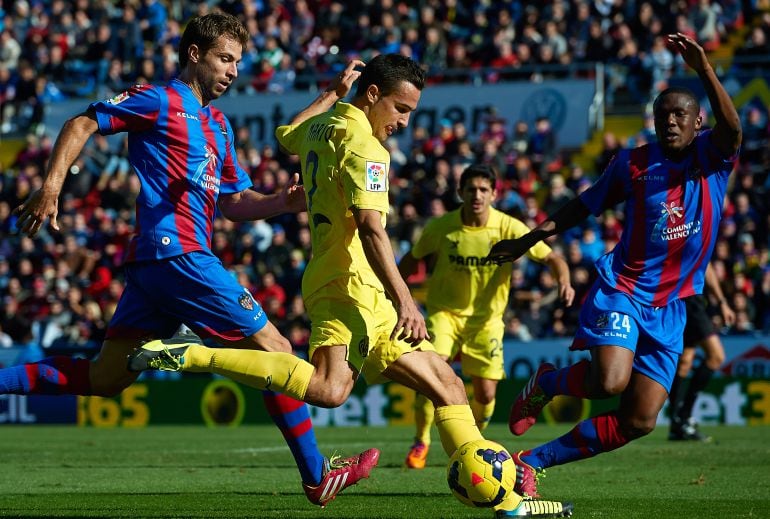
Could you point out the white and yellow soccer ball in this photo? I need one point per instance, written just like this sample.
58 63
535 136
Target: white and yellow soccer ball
481 473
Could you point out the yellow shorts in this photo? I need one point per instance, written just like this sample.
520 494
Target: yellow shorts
347 312
480 345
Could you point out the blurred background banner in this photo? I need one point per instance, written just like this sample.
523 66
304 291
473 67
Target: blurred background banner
566 103
738 395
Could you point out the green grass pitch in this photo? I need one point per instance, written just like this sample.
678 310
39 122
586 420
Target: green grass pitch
198 472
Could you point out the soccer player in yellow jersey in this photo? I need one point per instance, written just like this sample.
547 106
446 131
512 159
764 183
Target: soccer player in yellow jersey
364 319
468 294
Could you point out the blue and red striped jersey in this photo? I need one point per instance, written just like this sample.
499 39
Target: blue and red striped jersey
672 212
184 155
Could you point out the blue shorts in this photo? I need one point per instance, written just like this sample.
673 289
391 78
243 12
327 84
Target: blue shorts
610 317
192 289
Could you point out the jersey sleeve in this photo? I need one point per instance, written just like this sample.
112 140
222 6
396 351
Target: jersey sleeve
289 138
234 178
134 110
364 177
429 240
610 188
710 156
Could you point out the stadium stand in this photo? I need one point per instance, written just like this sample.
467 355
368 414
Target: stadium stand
59 290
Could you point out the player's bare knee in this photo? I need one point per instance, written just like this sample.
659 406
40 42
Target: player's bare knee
636 427
328 392
484 397
331 397
610 386
715 360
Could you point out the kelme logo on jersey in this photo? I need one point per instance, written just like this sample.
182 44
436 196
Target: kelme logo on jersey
376 177
185 115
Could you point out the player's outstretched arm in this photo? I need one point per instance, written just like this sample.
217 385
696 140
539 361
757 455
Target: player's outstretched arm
727 133
569 215
44 203
379 253
250 205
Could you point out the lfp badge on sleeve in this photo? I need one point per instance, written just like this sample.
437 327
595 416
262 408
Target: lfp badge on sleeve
376 177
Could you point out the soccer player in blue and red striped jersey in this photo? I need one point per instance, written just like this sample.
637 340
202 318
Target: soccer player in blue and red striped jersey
633 318
183 150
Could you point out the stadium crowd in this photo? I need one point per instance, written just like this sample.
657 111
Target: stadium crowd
59 290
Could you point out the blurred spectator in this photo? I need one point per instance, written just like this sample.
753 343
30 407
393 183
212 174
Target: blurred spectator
271 295
13 322
704 18
278 253
283 78
515 329
153 16
519 141
627 73
610 147
542 144
659 61
558 194
756 140
406 229
10 50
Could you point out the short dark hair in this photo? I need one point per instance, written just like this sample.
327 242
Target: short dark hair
677 90
478 171
387 71
204 31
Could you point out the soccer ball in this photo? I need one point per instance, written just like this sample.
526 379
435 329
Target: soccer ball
481 473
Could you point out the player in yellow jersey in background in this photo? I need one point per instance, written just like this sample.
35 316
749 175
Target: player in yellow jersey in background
468 294
363 317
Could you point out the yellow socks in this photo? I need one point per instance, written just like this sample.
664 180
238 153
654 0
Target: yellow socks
482 413
423 418
276 371
456 426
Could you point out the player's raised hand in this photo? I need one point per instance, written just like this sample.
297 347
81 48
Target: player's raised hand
692 53
294 196
343 82
32 214
411 324
508 250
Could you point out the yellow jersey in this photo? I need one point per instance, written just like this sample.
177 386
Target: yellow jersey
343 167
463 282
